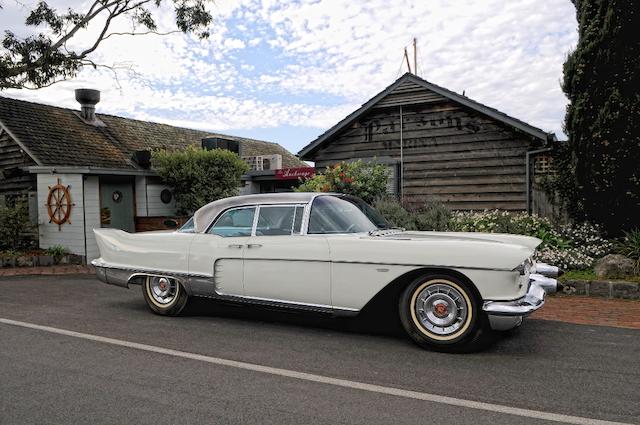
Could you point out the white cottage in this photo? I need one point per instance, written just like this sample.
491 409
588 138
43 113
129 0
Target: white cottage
81 170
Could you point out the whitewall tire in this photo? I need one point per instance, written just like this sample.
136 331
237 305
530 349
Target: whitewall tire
442 312
164 295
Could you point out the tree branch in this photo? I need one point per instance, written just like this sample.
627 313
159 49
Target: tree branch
142 33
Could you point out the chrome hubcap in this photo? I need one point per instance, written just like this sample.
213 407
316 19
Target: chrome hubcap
441 308
163 290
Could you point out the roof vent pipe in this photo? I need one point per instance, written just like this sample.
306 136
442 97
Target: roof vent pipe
88 98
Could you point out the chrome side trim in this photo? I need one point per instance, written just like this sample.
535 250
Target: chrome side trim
203 286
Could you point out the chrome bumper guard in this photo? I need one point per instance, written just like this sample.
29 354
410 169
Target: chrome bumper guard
547 270
539 286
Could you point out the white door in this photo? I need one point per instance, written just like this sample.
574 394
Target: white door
280 264
220 251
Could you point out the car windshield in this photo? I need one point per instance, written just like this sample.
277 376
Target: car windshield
188 227
333 214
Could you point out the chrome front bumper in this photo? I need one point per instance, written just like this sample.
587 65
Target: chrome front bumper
504 315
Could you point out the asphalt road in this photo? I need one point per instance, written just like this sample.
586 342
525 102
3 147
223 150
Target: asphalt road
354 371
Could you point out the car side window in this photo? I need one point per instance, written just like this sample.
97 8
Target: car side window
279 220
236 222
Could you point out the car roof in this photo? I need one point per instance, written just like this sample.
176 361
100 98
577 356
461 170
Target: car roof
205 215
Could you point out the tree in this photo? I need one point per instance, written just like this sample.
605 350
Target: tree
45 58
199 176
599 167
366 181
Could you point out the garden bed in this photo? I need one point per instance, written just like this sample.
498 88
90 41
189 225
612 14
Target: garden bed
38 258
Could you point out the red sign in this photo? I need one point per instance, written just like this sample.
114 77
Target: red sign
295 173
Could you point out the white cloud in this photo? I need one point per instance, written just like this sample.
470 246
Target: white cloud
271 63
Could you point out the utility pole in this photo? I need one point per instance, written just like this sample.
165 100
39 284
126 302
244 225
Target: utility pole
415 56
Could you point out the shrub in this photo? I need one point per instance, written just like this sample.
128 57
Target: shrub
568 259
582 245
575 247
503 222
629 246
199 176
395 213
433 216
364 180
15 227
56 251
572 247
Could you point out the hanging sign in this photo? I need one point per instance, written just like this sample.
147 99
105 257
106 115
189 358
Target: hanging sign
295 173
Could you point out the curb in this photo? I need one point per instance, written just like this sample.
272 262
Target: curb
602 288
47 270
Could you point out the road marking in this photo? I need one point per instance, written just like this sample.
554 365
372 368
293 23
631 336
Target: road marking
416 395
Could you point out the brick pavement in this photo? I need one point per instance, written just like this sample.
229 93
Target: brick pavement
591 311
46 270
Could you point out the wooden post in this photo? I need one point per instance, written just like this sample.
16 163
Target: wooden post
401 159
415 56
406 56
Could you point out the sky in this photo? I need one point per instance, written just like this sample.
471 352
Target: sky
286 71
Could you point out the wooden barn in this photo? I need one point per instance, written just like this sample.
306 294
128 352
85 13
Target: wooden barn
441 146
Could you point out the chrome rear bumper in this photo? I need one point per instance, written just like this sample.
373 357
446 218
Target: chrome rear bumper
504 315
112 276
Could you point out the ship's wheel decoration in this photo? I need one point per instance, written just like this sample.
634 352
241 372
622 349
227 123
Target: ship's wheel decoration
59 204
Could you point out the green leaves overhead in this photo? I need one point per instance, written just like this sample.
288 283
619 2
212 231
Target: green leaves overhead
45 58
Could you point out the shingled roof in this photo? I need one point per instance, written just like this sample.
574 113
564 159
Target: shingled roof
308 151
55 136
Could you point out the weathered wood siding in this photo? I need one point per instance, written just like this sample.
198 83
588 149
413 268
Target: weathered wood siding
71 234
12 179
451 154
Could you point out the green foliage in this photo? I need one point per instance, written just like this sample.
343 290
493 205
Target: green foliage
15 227
629 246
503 222
597 171
432 216
572 247
199 176
56 251
45 57
395 213
364 180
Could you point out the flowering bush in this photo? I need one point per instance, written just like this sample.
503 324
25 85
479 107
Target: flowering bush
366 181
503 222
630 246
572 247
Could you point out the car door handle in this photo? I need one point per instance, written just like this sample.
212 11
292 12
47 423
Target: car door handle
254 245
236 245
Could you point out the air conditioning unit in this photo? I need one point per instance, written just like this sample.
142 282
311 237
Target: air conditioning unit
264 162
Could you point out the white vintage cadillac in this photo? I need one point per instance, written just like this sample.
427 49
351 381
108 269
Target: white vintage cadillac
332 253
